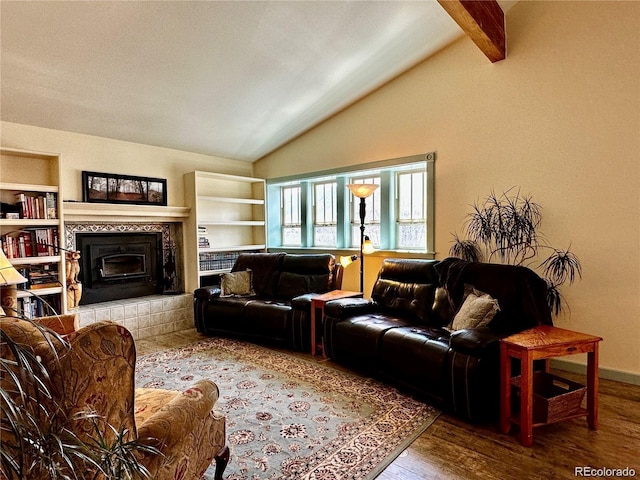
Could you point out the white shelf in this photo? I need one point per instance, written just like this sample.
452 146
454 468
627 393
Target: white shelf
84 211
232 223
29 222
34 260
205 273
235 248
247 201
28 187
39 292
233 210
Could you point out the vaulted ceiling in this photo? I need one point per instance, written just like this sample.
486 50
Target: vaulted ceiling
234 79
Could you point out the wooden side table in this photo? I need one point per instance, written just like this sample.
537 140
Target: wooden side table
317 303
544 342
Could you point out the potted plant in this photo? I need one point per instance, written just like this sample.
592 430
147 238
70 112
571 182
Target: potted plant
505 228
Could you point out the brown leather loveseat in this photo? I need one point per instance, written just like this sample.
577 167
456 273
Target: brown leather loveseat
276 306
404 335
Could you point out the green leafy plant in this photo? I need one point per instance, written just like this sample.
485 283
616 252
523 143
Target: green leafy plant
505 227
37 435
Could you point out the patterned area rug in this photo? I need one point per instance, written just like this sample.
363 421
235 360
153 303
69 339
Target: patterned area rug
291 418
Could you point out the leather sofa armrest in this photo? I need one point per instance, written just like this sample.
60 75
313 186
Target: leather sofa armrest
303 302
205 293
348 307
476 342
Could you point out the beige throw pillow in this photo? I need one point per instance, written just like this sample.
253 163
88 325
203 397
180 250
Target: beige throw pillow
238 284
477 310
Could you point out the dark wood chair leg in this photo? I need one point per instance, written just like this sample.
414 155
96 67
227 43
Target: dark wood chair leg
222 459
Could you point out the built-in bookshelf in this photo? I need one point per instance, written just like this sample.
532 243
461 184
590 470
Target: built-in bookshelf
31 227
227 218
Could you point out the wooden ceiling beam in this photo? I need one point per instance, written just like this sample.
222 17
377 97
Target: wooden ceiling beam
483 22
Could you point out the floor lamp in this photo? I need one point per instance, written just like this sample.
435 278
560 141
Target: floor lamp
362 191
9 278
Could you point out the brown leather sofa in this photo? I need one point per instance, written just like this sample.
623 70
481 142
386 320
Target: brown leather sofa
278 307
400 334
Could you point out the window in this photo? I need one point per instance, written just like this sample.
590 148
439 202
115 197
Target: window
318 211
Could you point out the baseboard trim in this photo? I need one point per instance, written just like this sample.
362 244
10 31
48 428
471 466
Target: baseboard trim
606 373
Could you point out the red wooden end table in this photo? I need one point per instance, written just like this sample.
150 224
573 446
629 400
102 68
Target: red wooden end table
544 342
317 303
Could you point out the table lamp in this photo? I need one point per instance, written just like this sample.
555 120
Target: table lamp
9 278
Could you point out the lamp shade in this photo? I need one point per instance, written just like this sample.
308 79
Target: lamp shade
8 274
347 260
362 190
367 246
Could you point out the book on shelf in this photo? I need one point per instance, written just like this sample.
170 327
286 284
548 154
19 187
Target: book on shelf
52 206
33 306
217 260
42 276
30 242
42 206
44 285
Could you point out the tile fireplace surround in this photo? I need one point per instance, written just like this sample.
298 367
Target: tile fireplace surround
142 316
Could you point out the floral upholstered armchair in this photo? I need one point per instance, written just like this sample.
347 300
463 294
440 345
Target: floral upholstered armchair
94 401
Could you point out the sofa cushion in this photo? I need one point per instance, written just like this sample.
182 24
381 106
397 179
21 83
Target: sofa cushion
305 274
265 268
477 310
406 288
238 284
411 300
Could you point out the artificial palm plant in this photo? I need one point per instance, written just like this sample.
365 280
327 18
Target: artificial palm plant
505 228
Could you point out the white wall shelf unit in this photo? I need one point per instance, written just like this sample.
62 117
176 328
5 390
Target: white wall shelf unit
33 179
227 218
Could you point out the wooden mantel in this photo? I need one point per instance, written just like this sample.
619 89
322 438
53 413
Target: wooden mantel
111 212
483 22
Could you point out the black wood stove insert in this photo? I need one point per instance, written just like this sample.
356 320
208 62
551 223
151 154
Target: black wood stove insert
114 266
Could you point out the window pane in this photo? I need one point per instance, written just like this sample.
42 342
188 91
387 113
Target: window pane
291 229
411 210
412 235
325 236
411 196
291 205
417 201
325 231
291 236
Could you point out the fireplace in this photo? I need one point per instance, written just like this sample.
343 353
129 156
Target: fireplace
120 265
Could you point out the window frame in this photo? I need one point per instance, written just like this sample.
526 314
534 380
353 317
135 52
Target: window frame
387 170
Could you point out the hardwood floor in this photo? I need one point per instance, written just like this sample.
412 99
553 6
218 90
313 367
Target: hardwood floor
453 449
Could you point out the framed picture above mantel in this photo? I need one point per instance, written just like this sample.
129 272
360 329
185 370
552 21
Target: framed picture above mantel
113 188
